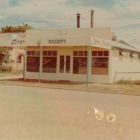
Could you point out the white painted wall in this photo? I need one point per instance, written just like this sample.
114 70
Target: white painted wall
124 67
73 37
14 54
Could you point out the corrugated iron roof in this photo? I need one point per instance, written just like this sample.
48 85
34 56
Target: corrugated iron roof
123 46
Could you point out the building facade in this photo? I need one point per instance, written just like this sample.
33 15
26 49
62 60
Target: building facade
13 43
79 55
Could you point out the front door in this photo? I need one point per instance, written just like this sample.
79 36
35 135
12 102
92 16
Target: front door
65 67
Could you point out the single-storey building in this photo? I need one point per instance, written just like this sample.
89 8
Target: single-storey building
79 55
12 42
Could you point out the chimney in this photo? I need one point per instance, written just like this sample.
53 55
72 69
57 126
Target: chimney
92 18
78 20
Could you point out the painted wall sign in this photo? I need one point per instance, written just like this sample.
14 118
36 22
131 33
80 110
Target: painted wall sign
57 41
17 42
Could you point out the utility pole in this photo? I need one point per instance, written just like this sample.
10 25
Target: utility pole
88 65
40 60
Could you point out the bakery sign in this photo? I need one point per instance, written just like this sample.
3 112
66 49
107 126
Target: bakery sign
57 41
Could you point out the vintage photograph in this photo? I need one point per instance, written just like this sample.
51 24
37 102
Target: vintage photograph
69 70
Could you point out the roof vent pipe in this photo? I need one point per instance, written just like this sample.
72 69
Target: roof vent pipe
78 20
92 18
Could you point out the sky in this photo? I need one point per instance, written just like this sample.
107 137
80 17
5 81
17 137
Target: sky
121 15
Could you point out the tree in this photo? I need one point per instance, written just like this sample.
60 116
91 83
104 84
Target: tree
16 29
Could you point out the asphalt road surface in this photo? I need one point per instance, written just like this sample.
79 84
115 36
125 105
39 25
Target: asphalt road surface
31 113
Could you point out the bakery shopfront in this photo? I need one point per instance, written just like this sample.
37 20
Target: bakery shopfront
68 55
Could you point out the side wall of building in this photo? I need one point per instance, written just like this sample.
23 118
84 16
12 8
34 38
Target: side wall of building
124 67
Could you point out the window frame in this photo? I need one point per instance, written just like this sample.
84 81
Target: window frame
33 54
97 56
80 54
49 54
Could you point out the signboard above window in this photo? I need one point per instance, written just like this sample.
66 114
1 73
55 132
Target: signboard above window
56 41
17 42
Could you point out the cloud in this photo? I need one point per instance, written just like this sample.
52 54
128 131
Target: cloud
127 9
4 3
58 12
65 10
62 13
87 3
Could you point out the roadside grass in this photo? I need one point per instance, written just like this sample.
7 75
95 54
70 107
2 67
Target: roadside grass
117 88
128 82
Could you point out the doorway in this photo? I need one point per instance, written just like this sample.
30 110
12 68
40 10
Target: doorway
64 67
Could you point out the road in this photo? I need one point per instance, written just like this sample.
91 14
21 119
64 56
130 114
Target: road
33 113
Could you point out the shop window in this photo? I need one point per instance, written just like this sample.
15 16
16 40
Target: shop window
100 62
68 60
75 53
80 53
106 53
131 54
33 53
49 53
94 53
62 63
33 61
1 57
49 61
79 62
79 65
100 53
19 59
85 53
139 56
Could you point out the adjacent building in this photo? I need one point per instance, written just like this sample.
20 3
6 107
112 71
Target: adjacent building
14 44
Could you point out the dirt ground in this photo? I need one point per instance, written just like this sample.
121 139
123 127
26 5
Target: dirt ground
125 89
35 113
